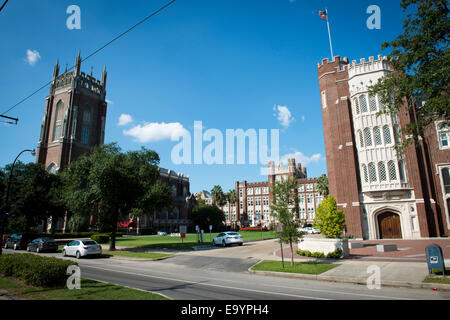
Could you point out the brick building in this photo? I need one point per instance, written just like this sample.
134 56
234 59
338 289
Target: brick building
252 207
384 195
74 123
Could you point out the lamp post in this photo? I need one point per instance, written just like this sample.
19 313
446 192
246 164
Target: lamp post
5 207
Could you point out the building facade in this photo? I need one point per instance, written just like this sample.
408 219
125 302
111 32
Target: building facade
253 199
384 195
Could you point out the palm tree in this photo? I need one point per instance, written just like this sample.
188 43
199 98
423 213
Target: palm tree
232 196
218 198
322 185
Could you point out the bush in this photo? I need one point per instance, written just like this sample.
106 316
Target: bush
254 229
35 270
329 219
332 255
101 237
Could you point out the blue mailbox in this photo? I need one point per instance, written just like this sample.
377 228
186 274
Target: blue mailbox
435 258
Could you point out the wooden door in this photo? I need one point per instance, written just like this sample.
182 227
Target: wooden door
389 226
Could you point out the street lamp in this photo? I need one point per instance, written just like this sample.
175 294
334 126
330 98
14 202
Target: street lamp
5 207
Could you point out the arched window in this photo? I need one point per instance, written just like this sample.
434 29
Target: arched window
176 213
402 170
377 136
380 103
372 172
361 139
367 137
59 114
387 135
397 133
52 168
174 191
86 125
355 101
392 171
363 103
364 169
372 103
382 171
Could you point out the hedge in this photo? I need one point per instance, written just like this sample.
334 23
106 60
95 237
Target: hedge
104 237
337 254
253 229
35 270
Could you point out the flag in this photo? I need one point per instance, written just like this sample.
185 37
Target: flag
323 15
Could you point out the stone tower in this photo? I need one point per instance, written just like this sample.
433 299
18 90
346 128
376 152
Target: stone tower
74 117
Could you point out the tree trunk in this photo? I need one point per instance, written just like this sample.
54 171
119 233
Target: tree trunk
112 244
292 253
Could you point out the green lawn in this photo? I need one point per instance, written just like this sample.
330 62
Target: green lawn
90 290
299 267
134 254
168 242
434 279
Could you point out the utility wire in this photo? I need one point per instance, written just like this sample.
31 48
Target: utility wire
96 51
3 5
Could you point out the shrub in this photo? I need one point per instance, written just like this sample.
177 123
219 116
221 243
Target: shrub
254 229
329 219
332 255
101 237
35 270
337 254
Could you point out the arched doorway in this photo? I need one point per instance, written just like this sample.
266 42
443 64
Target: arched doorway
389 225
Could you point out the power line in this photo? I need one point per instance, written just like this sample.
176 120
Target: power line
3 5
96 51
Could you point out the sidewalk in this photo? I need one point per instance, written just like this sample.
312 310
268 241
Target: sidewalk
406 267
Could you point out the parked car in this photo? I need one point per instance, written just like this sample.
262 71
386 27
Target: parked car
42 244
310 230
162 233
82 248
228 238
19 241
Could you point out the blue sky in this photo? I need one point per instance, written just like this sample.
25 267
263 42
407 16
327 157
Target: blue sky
226 63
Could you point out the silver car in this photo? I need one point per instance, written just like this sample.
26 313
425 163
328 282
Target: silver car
82 248
228 238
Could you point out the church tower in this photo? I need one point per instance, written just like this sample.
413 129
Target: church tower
74 117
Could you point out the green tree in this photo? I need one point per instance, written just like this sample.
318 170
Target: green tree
421 60
204 215
285 211
218 197
329 220
114 185
34 195
322 185
231 196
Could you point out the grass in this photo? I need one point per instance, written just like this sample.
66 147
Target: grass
437 277
134 254
168 242
299 267
90 290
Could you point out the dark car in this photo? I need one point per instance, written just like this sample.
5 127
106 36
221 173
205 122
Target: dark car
43 244
19 241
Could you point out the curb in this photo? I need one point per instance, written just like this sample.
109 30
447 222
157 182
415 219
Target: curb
395 284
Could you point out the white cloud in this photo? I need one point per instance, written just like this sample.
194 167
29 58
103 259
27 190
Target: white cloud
125 119
32 57
150 132
301 158
284 115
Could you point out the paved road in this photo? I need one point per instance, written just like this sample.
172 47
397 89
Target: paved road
209 275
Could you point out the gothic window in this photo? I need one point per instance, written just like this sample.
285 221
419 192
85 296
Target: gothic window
355 101
367 137
392 171
366 177
446 179
361 139
382 171
380 103
377 136
363 103
372 172
176 213
397 133
86 125
372 103
402 170
387 135
59 114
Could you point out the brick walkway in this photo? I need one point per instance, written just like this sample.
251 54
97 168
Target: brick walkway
408 250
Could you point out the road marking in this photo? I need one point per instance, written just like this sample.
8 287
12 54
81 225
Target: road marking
284 287
212 285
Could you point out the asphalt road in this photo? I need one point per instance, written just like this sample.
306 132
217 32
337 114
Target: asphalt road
203 276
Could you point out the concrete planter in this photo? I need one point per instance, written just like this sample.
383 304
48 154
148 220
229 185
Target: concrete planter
324 245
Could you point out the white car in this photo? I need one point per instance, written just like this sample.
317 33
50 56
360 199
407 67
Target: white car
82 248
162 233
228 238
310 230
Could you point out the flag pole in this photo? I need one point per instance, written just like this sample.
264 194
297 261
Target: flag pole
329 35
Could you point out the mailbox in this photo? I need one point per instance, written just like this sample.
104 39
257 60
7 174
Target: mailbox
435 258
